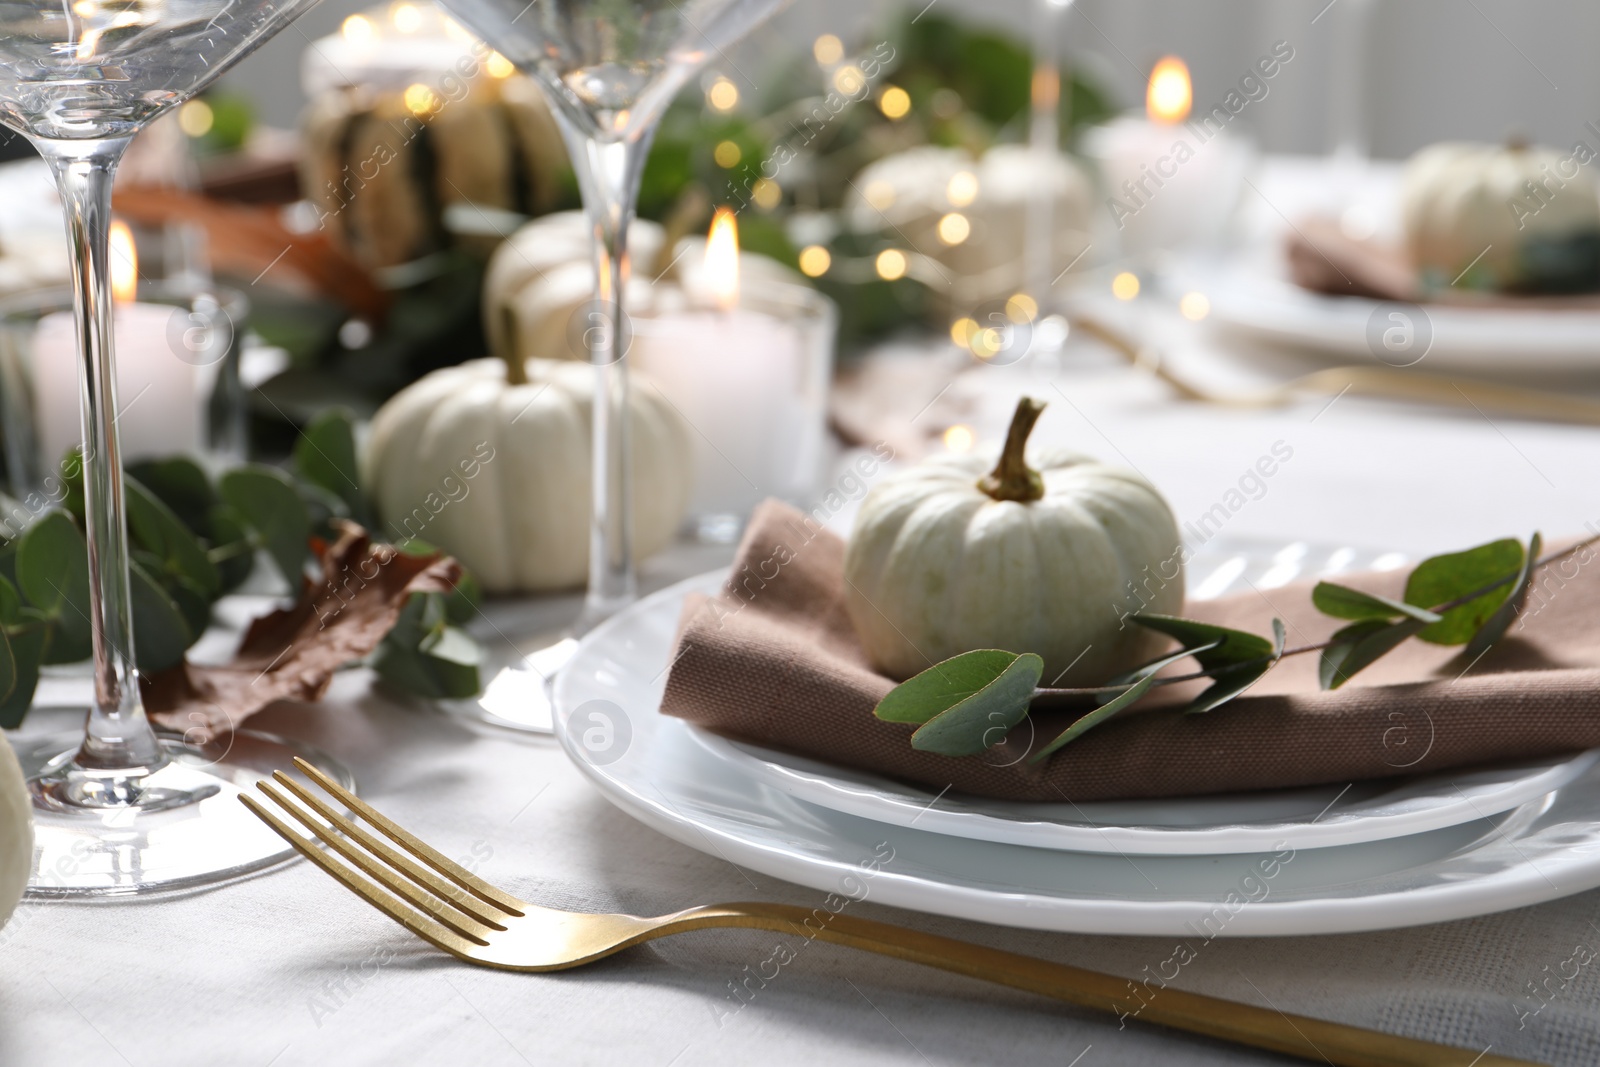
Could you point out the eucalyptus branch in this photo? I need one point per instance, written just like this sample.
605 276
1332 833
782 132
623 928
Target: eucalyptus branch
1049 693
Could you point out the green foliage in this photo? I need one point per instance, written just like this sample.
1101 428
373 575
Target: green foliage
162 631
53 576
943 686
325 456
1344 603
1498 623
191 542
1139 683
1234 658
966 704
425 655
266 500
1360 645
1446 579
972 719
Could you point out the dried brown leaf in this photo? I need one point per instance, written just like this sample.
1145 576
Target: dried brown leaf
292 653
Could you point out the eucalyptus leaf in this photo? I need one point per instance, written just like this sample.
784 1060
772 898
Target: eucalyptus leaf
1232 681
10 603
1121 702
181 485
322 507
267 502
461 603
161 634
982 720
1342 602
425 656
62 644
192 602
71 472
1498 623
157 528
1442 579
452 659
8 668
231 551
1360 645
27 646
1146 670
943 686
53 574
325 455
1212 646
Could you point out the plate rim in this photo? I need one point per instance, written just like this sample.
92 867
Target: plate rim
1332 332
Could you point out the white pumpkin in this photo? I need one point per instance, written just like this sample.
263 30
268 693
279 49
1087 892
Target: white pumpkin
906 196
497 473
542 277
945 559
16 832
1502 217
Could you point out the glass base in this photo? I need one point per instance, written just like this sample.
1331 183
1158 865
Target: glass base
183 829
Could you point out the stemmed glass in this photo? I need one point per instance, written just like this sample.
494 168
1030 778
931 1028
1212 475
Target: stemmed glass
121 810
609 68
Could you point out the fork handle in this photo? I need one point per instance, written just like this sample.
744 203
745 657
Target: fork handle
1246 1024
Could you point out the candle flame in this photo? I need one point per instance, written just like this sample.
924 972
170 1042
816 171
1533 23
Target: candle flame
1171 94
124 263
722 259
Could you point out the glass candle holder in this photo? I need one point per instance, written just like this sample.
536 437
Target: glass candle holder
178 379
752 381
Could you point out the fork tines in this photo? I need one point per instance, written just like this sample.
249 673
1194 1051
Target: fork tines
449 906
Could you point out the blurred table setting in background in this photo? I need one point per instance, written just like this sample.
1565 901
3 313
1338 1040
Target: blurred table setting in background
1096 481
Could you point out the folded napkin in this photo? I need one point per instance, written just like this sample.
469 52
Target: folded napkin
1323 259
773 660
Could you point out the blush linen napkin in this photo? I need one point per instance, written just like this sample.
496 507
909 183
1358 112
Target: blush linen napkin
774 660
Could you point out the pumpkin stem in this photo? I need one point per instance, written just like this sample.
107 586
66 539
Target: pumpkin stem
1012 478
516 369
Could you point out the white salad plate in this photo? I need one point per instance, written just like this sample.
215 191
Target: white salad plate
661 771
1262 303
1320 817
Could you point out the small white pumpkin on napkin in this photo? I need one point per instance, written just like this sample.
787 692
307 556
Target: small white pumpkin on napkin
945 559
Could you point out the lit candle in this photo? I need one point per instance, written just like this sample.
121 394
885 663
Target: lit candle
1168 183
736 374
157 401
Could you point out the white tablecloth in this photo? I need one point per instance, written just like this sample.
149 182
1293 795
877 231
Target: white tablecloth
287 969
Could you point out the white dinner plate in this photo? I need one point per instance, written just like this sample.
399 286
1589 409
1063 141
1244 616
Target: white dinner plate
654 768
1259 302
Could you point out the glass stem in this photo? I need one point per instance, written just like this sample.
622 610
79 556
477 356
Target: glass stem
1044 135
117 736
608 174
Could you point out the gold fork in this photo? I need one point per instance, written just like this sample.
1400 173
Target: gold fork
453 909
